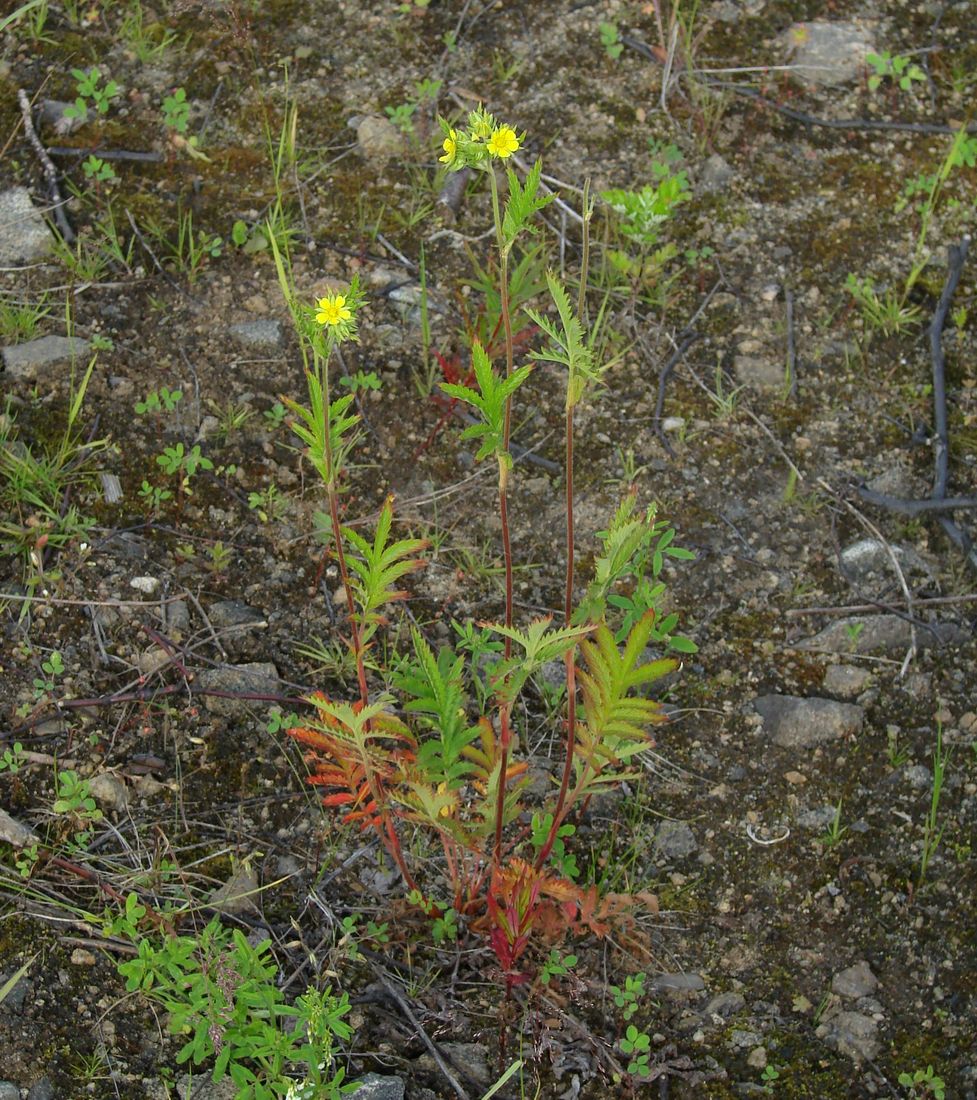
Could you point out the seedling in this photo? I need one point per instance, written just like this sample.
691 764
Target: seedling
610 39
268 504
19 321
627 998
769 1077
900 70
159 401
98 170
835 830
176 111
89 91
637 1046
154 496
231 417
932 830
923 1084
556 966
12 759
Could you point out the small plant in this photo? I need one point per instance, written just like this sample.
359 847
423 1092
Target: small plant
19 321
12 758
835 830
854 632
637 1046
183 465
219 557
159 401
900 70
176 111
932 830
269 505
275 416
146 41
219 993
361 380
627 997
154 496
98 170
769 1077
74 800
923 1084
897 756
610 39
556 966
445 927
90 90
887 313
231 417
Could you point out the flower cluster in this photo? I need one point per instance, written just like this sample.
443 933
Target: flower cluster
335 314
483 140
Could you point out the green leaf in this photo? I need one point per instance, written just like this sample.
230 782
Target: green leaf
523 202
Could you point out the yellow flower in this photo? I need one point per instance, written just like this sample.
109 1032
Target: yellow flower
450 147
332 311
503 142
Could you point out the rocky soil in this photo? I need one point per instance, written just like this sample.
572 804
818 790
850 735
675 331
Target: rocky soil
799 946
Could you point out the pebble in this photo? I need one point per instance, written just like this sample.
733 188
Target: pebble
109 791
846 681
861 561
81 957
9 1091
261 335
852 1034
238 894
26 360
865 633
24 235
260 678
826 53
375 1087
12 832
675 840
147 585
41 1090
793 722
918 776
857 981
379 140
716 175
677 985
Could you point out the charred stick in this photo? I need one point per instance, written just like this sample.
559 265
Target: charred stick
50 172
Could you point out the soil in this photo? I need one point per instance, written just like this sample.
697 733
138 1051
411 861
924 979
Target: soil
797 948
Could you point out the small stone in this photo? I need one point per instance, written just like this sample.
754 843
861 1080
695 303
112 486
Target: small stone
256 678
379 140
793 722
677 986
716 175
26 360
795 779
865 633
147 585
152 660
42 1089
238 894
868 559
261 335
81 957
675 840
673 423
852 1034
919 777
827 53
816 819
24 235
757 1058
15 834
109 791
375 1087
473 1058
847 681
760 372
857 981
724 1005
8 1090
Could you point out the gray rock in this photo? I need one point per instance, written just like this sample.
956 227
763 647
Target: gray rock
234 615
375 1087
260 678
15 834
675 840
716 175
27 360
24 235
848 681
470 1058
17 996
379 140
866 633
724 1005
238 894
857 981
677 986
852 1034
9 1091
52 113
262 335
109 791
820 818
827 53
793 723
919 777
869 559
41 1090
759 371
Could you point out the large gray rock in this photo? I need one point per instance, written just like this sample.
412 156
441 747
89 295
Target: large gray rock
866 633
853 1034
675 840
29 360
375 1087
24 235
827 53
264 334
793 723
857 981
257 678
378 140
